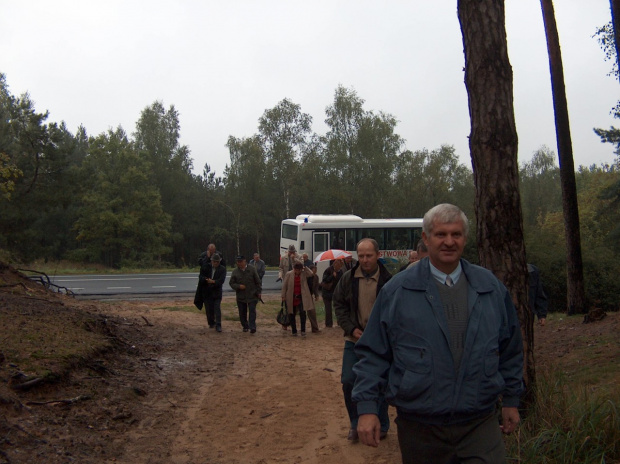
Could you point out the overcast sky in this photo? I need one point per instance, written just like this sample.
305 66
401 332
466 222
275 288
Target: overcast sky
223 63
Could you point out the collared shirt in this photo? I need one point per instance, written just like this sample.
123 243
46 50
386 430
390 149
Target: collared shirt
441 276
367 294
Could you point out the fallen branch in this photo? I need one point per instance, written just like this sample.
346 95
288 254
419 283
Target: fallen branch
67 401
147 321
28 384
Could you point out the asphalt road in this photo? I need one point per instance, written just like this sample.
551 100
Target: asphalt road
145 285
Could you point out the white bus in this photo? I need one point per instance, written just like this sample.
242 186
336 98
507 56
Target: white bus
315 233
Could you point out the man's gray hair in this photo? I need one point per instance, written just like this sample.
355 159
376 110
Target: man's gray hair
444 213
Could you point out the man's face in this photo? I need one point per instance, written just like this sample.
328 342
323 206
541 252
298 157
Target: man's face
367 257
211 249
215 263
338 264
297 270
256 257
445 245
413 256
241 264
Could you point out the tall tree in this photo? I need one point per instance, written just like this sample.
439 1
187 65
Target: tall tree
157 137
284 130
121 219
493 146
615 19
574 263
246 191
361 150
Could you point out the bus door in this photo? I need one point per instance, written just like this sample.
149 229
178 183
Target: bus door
320 243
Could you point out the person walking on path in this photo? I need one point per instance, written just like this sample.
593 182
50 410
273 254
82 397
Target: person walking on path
537 297
331 277
259 265
286 262
297 296
313 286
353 300
443 344
214 276
245 282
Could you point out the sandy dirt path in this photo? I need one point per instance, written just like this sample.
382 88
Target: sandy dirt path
235 397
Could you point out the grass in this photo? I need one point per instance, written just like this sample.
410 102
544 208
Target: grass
568 424
76 268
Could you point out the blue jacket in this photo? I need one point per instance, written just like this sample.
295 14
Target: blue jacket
405 350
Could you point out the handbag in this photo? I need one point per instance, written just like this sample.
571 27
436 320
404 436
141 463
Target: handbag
282 316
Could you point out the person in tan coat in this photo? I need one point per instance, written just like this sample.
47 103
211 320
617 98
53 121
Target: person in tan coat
297 295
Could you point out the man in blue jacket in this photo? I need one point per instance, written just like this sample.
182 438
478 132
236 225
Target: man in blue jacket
443 345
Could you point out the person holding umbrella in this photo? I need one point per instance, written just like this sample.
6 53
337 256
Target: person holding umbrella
296 294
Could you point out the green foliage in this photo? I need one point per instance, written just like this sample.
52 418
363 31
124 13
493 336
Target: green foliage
606 39
121 219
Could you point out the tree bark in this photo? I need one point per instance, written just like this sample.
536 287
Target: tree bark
575 291
615 20
493 145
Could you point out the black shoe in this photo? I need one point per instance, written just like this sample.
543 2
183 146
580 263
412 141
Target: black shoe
303 334
294 334
218 328
245 329
212 326
252 331
353 435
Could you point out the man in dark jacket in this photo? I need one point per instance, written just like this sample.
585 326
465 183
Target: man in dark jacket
213 274
537 296
205 256
353 300
245 282
443 345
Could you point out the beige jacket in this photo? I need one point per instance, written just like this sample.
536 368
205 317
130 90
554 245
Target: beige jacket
288 285
284 263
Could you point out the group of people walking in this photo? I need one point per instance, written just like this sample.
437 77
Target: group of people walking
245 280
439 341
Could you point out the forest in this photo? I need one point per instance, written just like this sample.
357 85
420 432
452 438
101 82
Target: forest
131 200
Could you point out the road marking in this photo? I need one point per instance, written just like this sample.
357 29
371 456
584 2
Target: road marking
164 286
117 288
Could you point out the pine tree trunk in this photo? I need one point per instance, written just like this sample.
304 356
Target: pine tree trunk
615 20
575 291
493 146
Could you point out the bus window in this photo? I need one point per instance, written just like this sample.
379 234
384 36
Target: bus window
351 240
377 234
337 239
321 239
399 239
289 231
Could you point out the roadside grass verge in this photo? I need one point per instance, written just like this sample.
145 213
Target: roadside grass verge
77 268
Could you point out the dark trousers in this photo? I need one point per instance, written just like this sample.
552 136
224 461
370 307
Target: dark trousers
329 319
476 442
302 319
213 308
243 314
349 358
